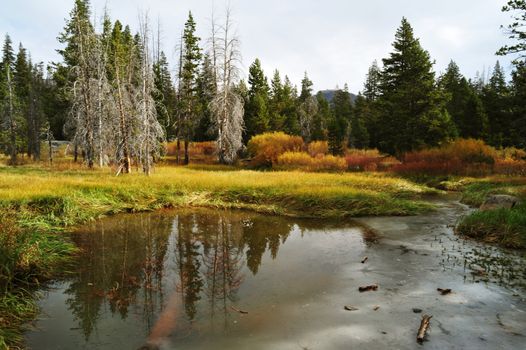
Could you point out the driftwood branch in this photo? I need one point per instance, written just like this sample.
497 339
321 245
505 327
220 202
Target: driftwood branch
372 287
240 311
424 327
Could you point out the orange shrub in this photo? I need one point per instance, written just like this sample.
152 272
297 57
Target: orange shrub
512 153
462 157
303 161
199 152
266 148
207 148
171 148
318 147
365 160
510 167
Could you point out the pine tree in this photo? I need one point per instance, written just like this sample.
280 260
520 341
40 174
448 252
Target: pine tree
413 112
276 101
289 108
497 104
37 117
164 94
206 90
22 81
257 119
8 102
306 88
516 30
371 89
518 107
338 126
516 134
189 72
464 105
320 119
359 132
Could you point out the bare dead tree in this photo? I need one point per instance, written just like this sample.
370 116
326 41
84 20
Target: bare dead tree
151 133
308 109
106 107
227 105
91 95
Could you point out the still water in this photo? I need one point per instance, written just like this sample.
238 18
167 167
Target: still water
211 279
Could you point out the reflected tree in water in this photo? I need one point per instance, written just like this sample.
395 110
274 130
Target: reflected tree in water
261 234
188 257
118 258
155 264
223 259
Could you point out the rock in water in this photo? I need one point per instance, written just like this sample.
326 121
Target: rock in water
497 201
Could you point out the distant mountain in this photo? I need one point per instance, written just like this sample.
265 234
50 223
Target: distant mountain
329 94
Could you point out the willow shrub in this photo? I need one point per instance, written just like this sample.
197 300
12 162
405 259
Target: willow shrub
468 157
303 161
265 149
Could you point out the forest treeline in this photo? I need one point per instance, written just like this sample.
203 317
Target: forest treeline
113 96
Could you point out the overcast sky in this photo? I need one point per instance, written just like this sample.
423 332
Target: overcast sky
335 41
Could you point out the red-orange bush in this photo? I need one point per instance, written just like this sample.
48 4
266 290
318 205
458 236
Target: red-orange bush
462 157
266 148
510 167
367 160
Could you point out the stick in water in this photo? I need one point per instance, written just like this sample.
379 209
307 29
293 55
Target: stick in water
240 311
422 331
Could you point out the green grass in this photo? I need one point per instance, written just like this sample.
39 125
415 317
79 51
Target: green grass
505 227
38 204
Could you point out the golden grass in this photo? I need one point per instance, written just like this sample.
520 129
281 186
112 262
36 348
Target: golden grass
27 183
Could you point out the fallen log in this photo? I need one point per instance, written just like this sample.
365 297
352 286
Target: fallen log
365 259
350 308
372 287
444 291
424 327
240 311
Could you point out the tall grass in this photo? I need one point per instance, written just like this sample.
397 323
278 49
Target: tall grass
506 227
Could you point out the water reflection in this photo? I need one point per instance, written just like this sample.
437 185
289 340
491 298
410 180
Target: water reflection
170 270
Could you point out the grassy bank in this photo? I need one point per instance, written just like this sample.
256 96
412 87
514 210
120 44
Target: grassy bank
38 204
506 227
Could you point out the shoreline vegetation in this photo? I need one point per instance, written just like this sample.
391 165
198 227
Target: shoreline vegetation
38 205
504 227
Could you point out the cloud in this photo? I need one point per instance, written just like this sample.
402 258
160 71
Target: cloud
335 41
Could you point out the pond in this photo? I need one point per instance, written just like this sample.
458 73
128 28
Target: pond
212 279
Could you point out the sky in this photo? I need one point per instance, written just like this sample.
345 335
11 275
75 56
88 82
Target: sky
334 41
